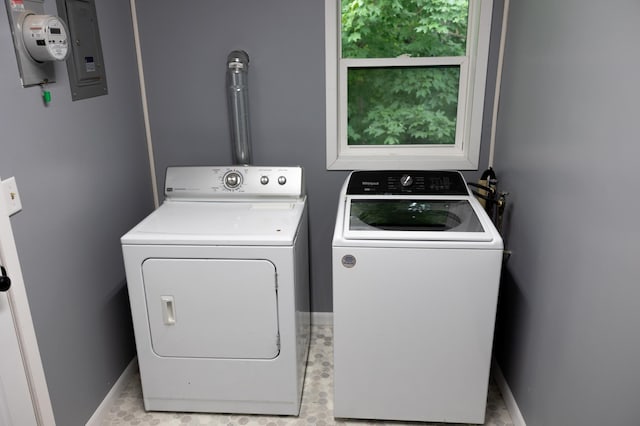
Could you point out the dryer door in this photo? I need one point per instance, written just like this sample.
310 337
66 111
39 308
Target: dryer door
212 308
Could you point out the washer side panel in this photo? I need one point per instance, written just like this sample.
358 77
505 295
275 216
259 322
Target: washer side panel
413 330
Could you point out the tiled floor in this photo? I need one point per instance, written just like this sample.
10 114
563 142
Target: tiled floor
317 403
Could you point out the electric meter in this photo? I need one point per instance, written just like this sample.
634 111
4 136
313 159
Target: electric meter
45 37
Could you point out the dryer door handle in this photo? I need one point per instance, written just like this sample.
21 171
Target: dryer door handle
168 310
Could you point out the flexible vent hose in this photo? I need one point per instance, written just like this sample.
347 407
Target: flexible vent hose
238 103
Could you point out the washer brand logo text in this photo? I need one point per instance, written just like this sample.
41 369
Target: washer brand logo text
348 261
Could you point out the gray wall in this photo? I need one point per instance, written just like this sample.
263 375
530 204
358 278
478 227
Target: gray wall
187 100
568 339
82 172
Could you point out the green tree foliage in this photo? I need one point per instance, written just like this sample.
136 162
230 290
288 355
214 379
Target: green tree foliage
412 105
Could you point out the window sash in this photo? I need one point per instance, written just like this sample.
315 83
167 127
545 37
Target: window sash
353 151
463 155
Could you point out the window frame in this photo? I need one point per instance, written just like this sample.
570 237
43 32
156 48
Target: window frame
463 155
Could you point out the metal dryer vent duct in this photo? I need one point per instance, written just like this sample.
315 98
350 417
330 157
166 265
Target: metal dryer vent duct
238 103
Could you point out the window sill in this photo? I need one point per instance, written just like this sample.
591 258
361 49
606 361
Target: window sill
402 162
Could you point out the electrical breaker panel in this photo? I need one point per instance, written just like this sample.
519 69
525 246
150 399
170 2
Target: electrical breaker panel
85 66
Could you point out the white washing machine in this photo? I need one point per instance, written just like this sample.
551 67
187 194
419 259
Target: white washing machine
219 288
416 267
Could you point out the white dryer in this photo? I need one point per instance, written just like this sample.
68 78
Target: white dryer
416 266
219 289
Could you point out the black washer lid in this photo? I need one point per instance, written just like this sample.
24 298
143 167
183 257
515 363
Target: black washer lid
398 182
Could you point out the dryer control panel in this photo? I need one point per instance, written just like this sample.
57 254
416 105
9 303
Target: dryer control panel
203 183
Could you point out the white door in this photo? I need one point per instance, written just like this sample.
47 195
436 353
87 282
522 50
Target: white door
24 397
16 408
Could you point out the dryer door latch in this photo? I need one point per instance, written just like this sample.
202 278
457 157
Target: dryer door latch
168 310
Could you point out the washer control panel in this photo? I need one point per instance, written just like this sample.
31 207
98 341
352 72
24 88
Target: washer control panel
212 182
415 182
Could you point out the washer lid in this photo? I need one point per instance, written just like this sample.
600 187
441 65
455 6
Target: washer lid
434 218
220 223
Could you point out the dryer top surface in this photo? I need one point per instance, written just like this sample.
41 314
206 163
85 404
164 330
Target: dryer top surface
220 223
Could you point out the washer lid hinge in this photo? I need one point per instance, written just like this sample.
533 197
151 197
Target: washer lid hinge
278 341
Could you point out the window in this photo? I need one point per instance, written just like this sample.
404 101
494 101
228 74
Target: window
405 83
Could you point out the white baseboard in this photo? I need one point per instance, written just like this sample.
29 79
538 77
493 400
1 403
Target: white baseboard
116 389
322 318
507 395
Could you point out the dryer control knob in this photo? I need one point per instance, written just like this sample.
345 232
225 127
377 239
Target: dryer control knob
232 180
264 180
282 180
406 180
